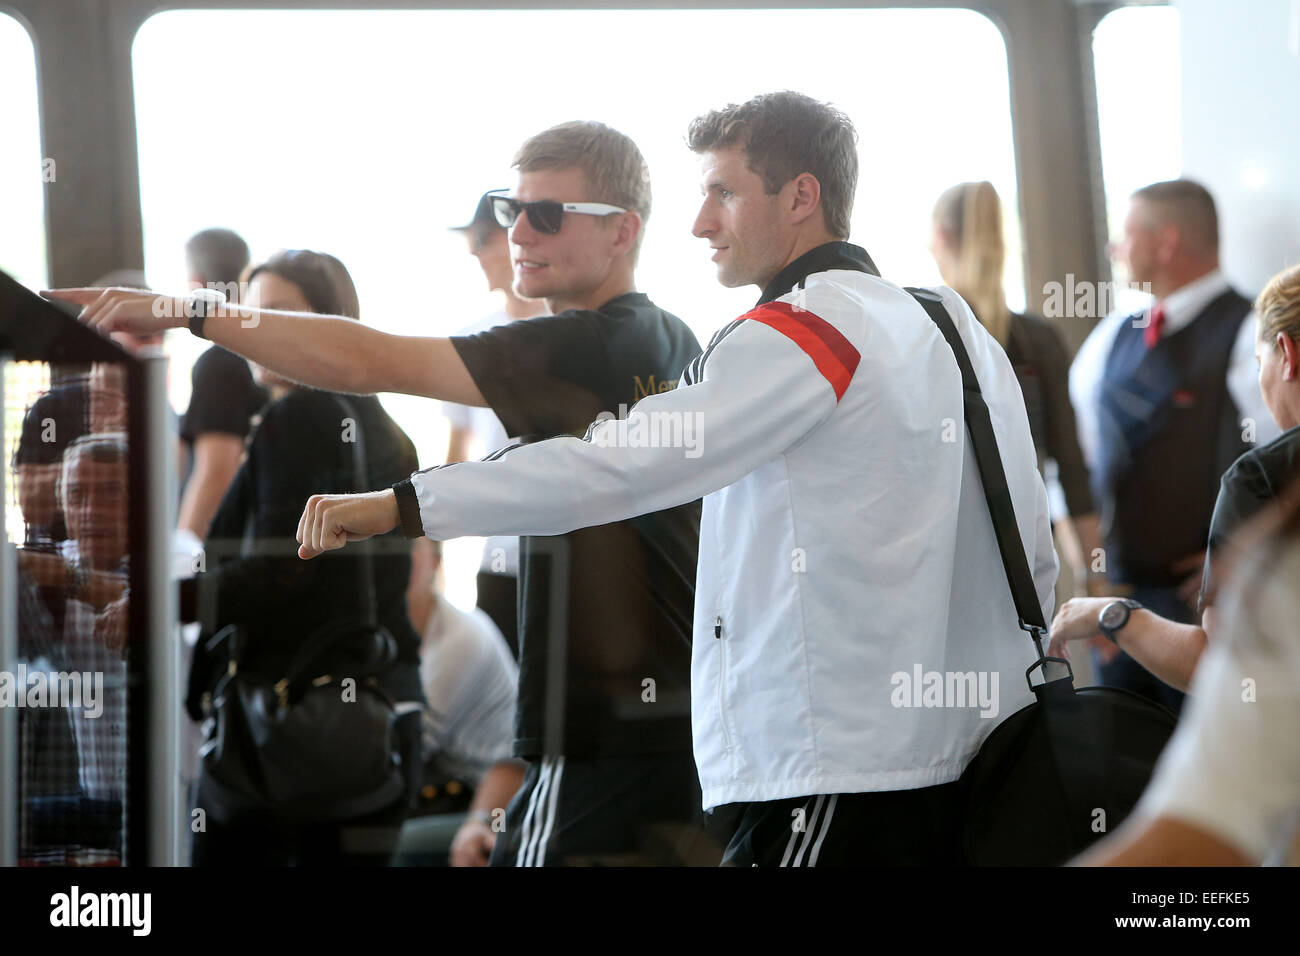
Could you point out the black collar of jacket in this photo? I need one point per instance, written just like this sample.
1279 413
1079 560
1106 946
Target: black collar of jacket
831 255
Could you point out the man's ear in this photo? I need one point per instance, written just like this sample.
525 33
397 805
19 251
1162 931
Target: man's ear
628 228
1290 357
1169 242
805 197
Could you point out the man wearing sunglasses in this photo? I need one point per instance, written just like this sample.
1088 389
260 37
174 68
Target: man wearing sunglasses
846 557
603 716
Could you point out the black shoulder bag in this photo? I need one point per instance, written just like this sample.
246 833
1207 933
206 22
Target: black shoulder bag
1059 774
306 748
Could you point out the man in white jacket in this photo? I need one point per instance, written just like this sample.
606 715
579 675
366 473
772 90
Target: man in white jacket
855 639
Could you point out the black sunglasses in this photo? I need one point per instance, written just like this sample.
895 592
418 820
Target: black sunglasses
544 215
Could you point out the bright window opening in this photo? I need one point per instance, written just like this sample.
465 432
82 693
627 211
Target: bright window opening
367 134
1136 60
23 171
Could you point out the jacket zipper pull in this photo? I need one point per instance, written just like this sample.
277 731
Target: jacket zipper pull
717 628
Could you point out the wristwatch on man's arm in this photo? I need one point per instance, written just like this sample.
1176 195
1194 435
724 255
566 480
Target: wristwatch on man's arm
200 304
1115 615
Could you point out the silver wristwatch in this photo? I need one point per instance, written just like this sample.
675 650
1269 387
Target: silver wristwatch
1115 615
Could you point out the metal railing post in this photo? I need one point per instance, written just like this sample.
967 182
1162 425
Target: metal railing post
162 667
9 758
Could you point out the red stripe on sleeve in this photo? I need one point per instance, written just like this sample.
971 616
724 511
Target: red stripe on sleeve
833 354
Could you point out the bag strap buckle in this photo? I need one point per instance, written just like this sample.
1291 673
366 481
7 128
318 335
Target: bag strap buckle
1047 678
1037 632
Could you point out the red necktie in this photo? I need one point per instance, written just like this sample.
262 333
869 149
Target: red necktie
1156 322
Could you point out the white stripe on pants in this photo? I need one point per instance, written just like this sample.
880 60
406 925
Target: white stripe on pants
810 827
539 818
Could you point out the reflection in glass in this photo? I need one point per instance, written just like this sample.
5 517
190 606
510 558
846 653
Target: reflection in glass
68 459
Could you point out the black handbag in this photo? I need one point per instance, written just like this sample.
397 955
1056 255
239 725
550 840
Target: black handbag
307 748
1060 773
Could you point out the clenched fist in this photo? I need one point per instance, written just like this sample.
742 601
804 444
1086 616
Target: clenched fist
331 521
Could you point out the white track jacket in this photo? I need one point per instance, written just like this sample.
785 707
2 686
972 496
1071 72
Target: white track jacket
853 630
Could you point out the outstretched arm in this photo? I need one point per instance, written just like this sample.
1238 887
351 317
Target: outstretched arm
760 394
333 353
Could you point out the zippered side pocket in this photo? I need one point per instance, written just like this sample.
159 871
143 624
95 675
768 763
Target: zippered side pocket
722 681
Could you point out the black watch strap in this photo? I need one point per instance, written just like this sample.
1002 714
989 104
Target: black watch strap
408 509
1110 632
198 307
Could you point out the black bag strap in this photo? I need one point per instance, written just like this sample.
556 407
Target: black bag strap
992 475
361 484
382 652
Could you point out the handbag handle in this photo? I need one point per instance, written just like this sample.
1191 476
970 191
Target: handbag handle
993 477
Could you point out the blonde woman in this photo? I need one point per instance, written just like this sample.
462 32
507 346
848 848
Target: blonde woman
967 244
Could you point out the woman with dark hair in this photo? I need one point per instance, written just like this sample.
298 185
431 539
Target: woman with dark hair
967 244
303 281
304 442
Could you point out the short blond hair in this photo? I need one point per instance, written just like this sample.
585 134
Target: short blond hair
1278 306
612 167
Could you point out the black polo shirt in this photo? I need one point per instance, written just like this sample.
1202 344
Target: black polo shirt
1252 483
605 613
224 396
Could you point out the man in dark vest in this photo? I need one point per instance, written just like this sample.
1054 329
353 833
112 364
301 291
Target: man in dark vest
1166 399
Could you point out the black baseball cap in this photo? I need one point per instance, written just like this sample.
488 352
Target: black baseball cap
484 220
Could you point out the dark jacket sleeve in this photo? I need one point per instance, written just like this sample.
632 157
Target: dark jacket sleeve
1062 433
